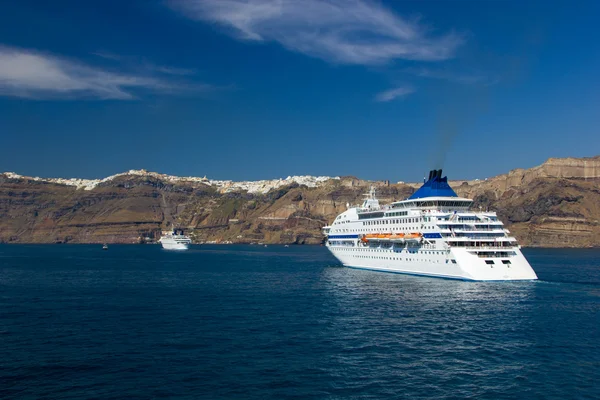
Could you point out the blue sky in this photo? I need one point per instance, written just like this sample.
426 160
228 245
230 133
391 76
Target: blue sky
245 90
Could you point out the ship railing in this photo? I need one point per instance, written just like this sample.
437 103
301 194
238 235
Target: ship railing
477 237
482 239
473 228
497 248
469 222
499 230
496 254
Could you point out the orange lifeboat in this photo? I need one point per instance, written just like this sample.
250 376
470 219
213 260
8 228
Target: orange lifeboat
397 236
375 236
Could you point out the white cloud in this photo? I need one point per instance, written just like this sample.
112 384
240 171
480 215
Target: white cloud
338 31
473 78
141 64
31 74
172 70
393 94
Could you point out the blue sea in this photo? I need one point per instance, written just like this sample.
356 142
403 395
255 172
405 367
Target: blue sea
248 322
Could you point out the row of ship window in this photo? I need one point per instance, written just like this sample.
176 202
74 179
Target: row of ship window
433 203
482 244
333 243
400 228
404 259
396 214
396 221
341 222
390 221
488 262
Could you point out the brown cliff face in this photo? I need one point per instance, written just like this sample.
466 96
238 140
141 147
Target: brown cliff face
556 204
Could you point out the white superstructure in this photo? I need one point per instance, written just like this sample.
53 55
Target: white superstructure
175 240
434 233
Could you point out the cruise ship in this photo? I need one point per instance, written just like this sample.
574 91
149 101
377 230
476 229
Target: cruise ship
175 240
432 233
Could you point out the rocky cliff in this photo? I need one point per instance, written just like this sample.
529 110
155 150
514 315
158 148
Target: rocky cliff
556 204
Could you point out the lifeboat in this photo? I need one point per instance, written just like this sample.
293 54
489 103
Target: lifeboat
377 236
413 236
384 237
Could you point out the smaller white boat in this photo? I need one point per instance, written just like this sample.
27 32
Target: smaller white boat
175 240
105 247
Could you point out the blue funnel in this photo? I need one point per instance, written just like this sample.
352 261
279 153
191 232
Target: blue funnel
436 186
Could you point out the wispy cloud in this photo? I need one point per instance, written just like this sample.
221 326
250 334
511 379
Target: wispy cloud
172 70
31 74
140 63
338 31
473 78
107 55
393 94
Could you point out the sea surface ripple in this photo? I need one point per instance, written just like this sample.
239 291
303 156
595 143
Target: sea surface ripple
233 322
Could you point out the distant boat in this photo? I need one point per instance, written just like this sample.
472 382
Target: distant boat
105 247
287 245
175 240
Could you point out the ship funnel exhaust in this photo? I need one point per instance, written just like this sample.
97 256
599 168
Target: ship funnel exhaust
435 173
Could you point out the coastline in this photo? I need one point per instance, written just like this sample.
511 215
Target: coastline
553 205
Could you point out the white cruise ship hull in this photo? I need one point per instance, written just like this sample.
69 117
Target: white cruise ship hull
172 244
432 233
452 264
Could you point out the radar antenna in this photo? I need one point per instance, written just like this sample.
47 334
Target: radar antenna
371 194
